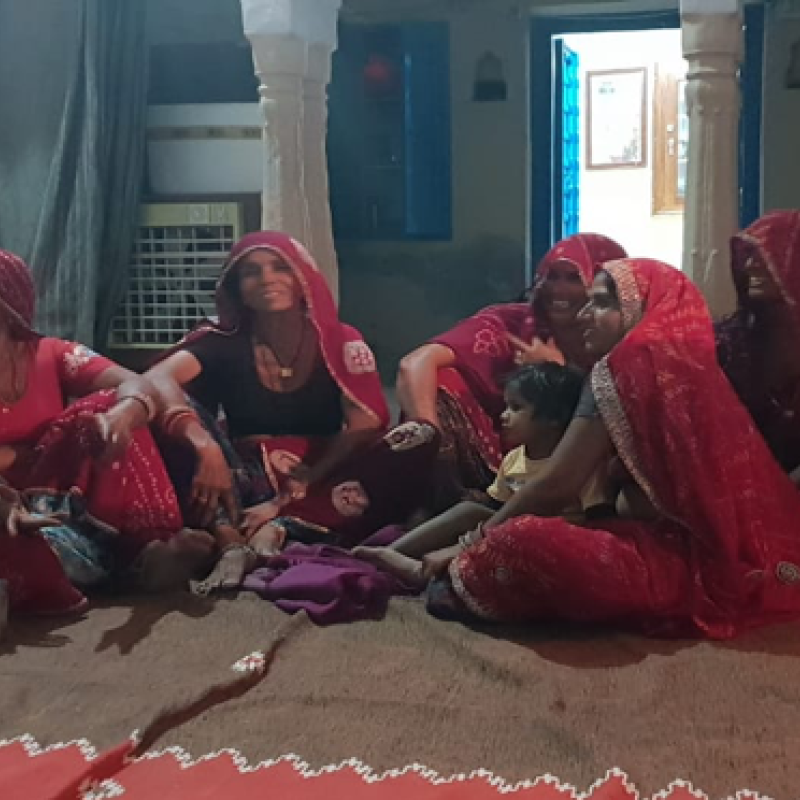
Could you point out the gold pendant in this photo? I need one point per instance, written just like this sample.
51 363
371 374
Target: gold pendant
286 372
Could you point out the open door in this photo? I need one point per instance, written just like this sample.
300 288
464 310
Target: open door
566 142
670 142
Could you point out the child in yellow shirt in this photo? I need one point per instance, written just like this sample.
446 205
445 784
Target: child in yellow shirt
540 402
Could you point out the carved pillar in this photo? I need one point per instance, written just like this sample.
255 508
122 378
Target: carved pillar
712 45
280 66
292 42
315 98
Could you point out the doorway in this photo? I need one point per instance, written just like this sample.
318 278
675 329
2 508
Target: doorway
625 138
573 155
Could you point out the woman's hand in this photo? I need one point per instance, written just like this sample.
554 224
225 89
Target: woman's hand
299 479
435 564
537 352
118 424
258 516
212 486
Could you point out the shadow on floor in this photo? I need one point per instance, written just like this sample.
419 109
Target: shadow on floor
145 612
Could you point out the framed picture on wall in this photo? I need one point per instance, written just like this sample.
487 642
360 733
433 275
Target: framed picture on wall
616 118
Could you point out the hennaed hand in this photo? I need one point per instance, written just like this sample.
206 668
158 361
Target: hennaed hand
537 352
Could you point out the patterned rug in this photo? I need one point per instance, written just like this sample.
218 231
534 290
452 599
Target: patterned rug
221 693
75 770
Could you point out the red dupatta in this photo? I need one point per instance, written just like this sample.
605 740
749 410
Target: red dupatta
17 296
690 444
775 239
347 357
483 353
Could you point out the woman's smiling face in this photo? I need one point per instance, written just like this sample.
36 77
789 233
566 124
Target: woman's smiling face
561 293
267 283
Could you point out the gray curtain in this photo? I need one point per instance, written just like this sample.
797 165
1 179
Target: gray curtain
71 160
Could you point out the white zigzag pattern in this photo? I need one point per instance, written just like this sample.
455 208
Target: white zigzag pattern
366 773
107 790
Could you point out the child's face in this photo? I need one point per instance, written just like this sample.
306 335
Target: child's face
518 421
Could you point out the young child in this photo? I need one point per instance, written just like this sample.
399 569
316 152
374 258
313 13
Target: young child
540 402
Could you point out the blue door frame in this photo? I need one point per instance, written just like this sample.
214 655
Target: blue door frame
545 225
566 128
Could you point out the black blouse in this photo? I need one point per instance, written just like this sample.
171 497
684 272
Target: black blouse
230 379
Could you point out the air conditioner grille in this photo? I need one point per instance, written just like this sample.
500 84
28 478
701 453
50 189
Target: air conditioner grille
176 262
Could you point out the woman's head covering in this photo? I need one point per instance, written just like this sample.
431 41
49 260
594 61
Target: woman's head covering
315 290
347 357
483 353
775 240
693 448
587 252
17 295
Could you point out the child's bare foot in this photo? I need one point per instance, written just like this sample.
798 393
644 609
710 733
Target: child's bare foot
407 569
229 572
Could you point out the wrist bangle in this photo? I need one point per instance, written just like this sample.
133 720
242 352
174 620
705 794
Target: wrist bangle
174 416
144 400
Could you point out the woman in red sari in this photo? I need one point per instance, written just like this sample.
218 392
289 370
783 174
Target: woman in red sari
92 463
758 345
303 407
721 552
455 380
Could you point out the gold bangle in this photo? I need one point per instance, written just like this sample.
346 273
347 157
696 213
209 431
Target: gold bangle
144 400
171 418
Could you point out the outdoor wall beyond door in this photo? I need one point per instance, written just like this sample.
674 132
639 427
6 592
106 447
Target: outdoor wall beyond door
618 201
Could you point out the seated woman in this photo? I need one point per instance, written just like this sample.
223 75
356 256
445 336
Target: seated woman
724 554
84 490
758 345
304 410
456 380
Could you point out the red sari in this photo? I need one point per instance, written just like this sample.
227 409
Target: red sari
59 445
470 399
726 555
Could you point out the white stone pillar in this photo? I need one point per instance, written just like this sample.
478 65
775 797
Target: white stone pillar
292 42
280 66
712 46
321 17
315 98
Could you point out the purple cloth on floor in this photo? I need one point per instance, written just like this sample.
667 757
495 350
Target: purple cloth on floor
328 583
384 537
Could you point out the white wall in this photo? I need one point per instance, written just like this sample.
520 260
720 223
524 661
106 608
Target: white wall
619 202
490 139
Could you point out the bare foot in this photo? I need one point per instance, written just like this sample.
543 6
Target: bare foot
229 571
268 540
170 565
407 569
